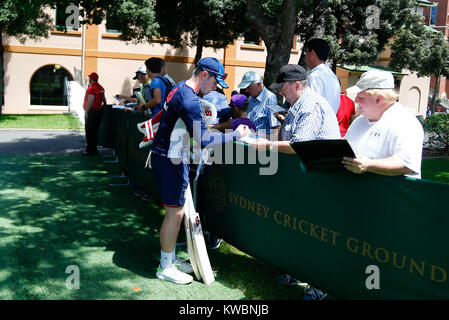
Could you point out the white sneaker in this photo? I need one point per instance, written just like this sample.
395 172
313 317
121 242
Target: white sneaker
183 266
171 273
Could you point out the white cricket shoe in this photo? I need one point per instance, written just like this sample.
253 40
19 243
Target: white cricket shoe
171 273
183 266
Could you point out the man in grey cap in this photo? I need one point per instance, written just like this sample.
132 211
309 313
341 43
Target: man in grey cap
386 138
259 97
310 116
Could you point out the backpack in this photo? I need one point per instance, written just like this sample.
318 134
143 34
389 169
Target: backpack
168 87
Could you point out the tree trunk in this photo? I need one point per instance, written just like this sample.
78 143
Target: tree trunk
2 73
435 92
277 40
199 48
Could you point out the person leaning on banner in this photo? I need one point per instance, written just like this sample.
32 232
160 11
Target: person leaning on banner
145 82
386 138
310 116
259 97
170 167
93 112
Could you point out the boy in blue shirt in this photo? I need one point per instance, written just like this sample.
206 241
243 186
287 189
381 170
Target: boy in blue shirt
158 87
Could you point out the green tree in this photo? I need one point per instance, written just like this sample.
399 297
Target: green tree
357 31
275 21
136 20
201 23
22 20
423 50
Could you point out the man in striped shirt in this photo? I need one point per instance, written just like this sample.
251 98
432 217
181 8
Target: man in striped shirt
310 116
259 98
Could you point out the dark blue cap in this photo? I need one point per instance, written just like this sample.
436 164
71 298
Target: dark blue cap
216 67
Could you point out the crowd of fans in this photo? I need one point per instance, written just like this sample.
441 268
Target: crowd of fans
386 138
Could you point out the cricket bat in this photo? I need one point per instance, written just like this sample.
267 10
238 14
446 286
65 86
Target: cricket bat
199 253
190 249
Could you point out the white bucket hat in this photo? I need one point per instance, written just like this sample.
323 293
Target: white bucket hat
373 79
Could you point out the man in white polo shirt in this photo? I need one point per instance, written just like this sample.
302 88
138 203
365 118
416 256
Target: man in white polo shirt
321 78
386 138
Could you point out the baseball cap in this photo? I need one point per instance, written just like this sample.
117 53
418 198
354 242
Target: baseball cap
289 72
238 100
373 79
248 78
142 69
215 67
93 76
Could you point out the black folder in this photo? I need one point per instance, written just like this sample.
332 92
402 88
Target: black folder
323 155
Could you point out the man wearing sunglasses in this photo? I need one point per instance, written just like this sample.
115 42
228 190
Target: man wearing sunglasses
259 98
170 165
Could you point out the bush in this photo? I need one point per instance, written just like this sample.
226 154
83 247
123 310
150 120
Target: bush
437 126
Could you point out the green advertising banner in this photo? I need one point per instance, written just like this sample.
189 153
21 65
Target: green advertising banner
333 229
106 133
143 178
120 119
354 236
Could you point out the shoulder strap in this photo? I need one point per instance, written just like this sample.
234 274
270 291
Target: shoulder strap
165 80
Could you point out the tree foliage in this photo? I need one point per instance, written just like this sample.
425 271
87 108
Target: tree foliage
24 19
201 23
423 50
274 20
135 19
21 19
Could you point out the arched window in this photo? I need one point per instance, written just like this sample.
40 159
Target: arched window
47 86
414 94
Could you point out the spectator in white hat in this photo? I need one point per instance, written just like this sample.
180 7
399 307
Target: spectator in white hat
386 138
144 80
259 97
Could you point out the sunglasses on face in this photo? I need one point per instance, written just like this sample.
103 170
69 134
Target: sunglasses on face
223 76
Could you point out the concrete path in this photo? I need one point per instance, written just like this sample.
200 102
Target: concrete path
15 141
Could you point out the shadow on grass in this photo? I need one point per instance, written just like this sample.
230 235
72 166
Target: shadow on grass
26 142
59 210
56 207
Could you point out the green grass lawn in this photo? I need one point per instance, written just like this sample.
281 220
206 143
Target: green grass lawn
436 169
59 210
41 121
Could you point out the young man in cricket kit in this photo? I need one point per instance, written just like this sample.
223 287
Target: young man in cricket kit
171 170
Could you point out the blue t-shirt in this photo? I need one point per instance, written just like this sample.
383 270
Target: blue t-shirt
182 102
157 83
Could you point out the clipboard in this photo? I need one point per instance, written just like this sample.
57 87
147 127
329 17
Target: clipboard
323 155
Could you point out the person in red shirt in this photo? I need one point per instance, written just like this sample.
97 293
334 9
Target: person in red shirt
345 111
93 112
